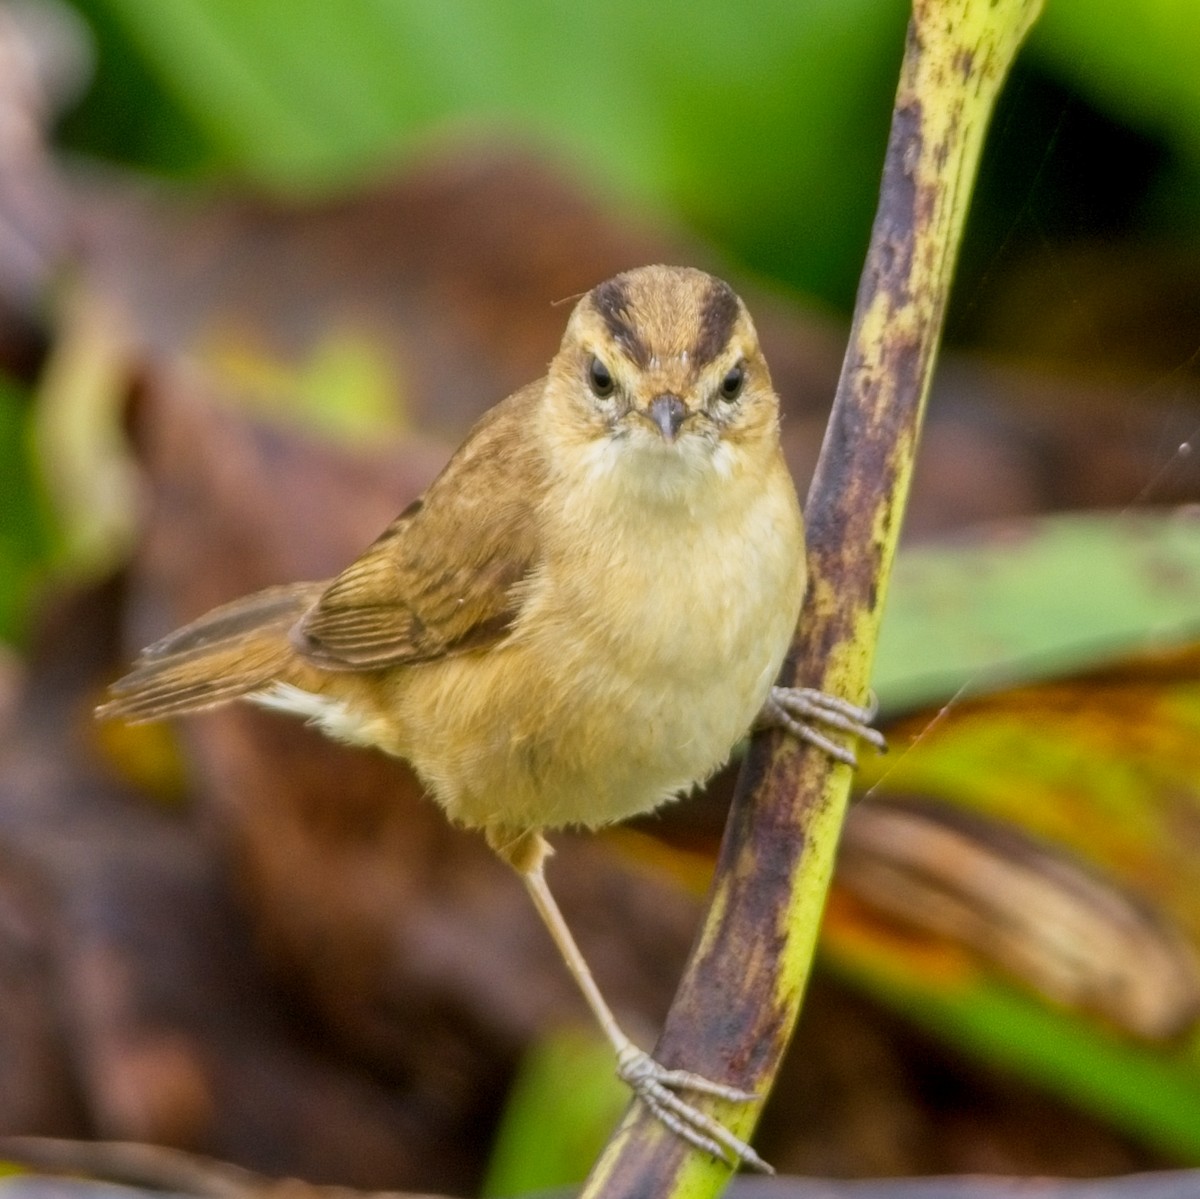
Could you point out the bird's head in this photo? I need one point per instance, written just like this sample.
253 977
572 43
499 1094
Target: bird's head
660 370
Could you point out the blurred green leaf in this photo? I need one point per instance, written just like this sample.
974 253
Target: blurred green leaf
1135 60
764 126
127 116
1152 1093
560 1111
25 528
344 385
761 126
1037 599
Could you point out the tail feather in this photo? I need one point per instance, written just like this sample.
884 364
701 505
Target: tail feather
231 651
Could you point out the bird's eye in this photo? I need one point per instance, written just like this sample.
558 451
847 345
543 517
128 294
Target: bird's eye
732 384
599 379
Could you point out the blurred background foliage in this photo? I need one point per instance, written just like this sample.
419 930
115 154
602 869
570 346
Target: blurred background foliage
762 128
759 131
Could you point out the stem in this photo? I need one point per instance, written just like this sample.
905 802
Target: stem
740 996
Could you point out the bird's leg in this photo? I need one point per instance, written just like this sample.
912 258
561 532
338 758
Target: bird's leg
798 709
653 1084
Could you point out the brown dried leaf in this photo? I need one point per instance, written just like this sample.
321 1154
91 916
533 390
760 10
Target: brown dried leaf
157 1020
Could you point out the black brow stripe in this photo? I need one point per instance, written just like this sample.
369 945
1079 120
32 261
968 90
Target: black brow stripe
717 317
611 301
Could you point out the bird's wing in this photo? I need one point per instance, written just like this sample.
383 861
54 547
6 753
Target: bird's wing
444 577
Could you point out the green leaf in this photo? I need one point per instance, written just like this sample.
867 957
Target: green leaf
25 529
1037 599
1153 1094
560 1111
728 115
127 116
1136 60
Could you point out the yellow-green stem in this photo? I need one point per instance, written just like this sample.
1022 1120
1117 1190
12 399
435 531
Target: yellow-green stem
740 996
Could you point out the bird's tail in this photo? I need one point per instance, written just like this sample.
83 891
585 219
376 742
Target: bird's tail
231 651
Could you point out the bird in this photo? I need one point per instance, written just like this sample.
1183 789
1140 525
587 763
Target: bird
574 624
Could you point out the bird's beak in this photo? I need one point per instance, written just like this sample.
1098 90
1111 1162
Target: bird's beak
667 412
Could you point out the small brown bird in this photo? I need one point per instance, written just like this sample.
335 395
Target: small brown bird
575 623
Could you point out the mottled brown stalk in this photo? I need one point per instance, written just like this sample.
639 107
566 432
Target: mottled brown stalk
739 999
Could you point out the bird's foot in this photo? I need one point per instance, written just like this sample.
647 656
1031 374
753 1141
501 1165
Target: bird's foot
799 709
655 1086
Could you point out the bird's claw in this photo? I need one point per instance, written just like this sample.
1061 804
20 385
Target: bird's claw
655 1086
797 709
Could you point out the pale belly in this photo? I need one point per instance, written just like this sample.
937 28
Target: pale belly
546 735
524 741
589 717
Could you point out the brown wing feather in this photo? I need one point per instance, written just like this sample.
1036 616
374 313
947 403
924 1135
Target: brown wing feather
443 577
233 650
